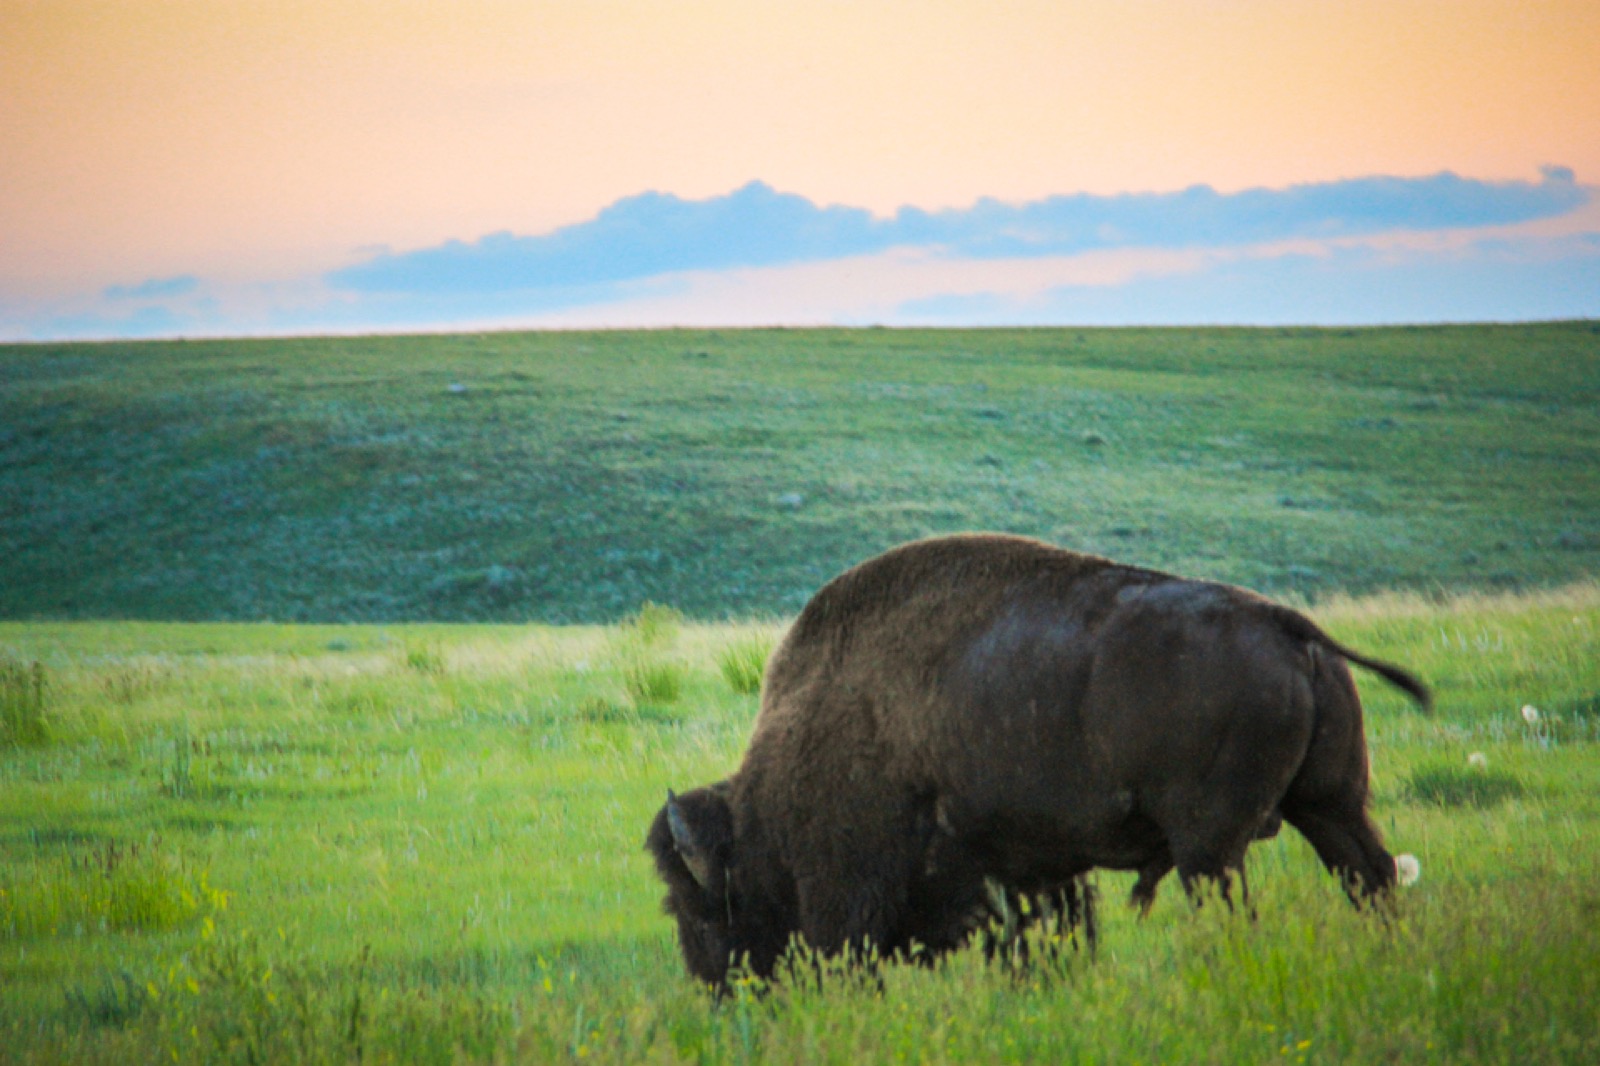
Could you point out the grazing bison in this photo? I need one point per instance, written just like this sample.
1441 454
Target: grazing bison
985 708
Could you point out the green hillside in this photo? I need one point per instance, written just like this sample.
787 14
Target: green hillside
569 476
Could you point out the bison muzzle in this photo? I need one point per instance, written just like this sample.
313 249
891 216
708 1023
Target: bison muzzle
976 709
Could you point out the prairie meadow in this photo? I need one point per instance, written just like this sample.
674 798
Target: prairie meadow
335 703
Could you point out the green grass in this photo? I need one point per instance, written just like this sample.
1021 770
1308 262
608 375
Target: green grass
1451 785
744 663
652 684
377 863
423 841
109 887
729 473
22 704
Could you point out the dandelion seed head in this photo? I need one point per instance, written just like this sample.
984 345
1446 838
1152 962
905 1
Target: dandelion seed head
1530 713
1477 760
1407 869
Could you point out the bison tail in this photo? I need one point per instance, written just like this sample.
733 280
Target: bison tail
1403 679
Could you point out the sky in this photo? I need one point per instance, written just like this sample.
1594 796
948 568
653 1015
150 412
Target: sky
260 167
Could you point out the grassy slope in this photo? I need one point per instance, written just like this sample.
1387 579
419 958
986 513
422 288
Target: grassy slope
730 473
422 844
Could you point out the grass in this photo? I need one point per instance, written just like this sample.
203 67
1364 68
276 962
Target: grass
371 862
652 684
425 659
1457 786
108 887
22 704
744 663
653 626
729 473
228 838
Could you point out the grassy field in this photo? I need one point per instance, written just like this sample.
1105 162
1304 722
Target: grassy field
247 843
232 830
568 477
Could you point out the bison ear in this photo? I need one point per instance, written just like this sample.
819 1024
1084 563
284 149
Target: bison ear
695 853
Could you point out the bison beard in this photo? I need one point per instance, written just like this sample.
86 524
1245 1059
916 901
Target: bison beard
978 710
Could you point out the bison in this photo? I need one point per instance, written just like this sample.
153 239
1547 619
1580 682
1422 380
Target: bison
983 708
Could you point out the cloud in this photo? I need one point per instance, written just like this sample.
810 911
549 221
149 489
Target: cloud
1440 248
638 237
1355 284
155 288
149 321
1201 217
656 234
428 310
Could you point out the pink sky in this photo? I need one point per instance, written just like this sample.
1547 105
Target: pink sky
256 146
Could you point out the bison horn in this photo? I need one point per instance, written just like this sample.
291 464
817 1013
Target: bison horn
689 850
682 837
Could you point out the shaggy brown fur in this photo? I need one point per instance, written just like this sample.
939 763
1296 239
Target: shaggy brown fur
990 707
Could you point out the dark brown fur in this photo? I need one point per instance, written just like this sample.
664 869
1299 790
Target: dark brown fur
990 707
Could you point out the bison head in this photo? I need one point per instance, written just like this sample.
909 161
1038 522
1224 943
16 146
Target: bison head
692 841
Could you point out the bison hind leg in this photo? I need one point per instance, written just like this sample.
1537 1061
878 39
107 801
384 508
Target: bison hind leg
1350 848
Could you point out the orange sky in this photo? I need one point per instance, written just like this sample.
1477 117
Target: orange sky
153 137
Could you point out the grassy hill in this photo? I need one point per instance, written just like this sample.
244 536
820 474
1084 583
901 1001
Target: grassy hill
569 476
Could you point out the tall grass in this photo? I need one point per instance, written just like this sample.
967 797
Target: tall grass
1450 785
22 703
641 643
378 864
652 684
654 625
425 658
744 663
111 887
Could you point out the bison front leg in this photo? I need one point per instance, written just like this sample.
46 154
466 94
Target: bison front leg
1071 908
844 914
1143 895
1064 913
